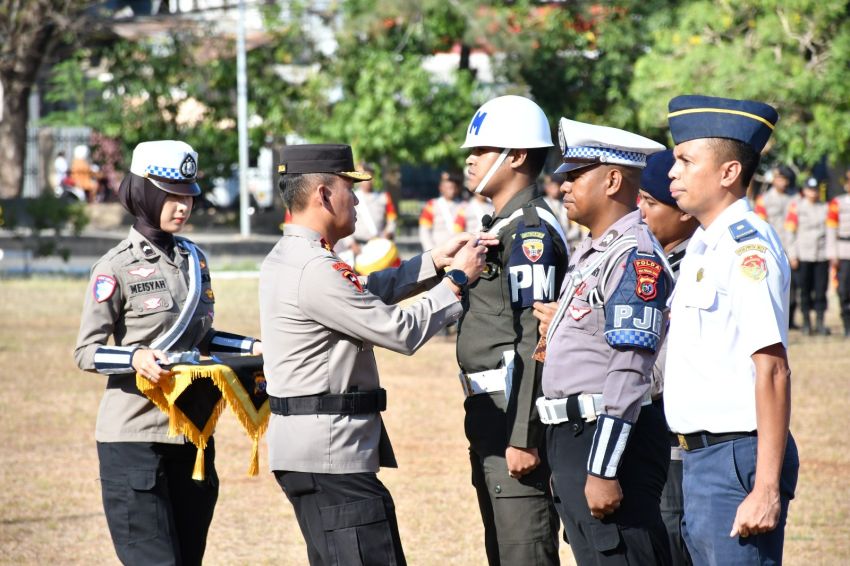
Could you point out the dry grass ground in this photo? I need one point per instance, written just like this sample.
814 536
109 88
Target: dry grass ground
50 510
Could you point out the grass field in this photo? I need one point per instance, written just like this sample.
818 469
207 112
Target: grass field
50 510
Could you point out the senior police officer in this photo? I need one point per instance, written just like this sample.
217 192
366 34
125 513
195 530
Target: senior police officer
673 229
152 294
509 138
727 380
607 441
321 322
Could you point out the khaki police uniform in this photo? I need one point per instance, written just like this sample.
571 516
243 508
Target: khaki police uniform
838 249
600 351
499 333
437 221
320 324
805 224
136 293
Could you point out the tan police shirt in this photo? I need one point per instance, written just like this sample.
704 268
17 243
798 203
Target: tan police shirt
135 294
319 324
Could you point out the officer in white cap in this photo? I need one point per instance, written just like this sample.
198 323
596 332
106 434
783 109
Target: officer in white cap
152 294
606 439
508 140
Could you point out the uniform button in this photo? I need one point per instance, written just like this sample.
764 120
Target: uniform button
539 486
498 489
574 426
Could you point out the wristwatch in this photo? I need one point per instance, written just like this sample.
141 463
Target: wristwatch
458 277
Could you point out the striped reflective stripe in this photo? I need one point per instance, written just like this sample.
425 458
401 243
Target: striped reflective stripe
114 359
721 111
609 443
224 342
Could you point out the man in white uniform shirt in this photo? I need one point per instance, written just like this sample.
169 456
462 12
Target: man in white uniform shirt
727 390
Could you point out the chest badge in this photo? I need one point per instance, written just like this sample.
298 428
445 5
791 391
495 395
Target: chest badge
579 313
700 273
152 303
209 295
143 272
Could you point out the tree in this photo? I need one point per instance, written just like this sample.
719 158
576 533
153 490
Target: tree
29 32
793 55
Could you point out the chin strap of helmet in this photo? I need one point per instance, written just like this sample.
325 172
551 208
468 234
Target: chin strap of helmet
492 170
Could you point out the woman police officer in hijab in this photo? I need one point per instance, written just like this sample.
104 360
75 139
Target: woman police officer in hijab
152 294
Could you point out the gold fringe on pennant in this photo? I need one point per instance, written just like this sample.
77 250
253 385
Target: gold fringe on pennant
198 472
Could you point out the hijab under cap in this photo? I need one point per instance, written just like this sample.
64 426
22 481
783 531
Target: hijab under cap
144 201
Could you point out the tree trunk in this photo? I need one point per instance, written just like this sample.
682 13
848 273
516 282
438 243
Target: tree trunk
22 57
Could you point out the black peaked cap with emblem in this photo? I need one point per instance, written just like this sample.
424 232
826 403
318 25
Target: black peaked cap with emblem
320 158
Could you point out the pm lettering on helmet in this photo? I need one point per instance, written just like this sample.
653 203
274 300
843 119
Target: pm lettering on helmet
531 283
477 120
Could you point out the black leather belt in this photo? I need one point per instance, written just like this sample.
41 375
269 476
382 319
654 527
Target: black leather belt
356 403
704 439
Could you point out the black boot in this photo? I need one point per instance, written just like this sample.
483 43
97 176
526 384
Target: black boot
821 327
807 323
792 311
846 320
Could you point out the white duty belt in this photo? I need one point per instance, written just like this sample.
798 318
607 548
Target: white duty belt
554 411
491 380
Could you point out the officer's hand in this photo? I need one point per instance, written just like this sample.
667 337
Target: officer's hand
145 363
603 496
757 513
795 263
443 254
521 460
470 259
544 312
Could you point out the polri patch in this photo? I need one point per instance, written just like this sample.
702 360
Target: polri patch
348 273
754 267
104 287
646 285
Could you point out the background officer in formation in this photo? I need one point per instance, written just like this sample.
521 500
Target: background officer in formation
727 380
838 244
806 247
673 228
152 294
437 220
606 440
320 323
508 139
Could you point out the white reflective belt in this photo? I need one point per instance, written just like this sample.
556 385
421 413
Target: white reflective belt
488 381
446 213
170 336
554 411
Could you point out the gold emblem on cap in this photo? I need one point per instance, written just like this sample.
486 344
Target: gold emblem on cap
281 168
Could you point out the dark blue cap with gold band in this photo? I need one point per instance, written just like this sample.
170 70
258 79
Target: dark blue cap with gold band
320 158
695 116
654 178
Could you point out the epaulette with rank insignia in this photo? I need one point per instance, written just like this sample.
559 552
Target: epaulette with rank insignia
742 231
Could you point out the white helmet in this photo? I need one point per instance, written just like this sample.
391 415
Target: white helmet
512 122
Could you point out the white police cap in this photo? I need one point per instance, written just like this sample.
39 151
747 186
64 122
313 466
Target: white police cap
169 164
583 145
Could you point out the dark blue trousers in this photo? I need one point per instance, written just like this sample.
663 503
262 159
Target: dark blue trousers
716 481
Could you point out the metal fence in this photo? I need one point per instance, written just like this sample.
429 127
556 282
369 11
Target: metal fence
43 145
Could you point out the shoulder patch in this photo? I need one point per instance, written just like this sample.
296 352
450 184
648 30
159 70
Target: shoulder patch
646 285
754 266
742 230
348 273
103 288
532 267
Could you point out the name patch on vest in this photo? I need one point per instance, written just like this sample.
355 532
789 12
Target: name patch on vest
143 287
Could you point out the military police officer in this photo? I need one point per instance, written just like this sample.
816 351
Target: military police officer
508 139
152 294
606 440
727 380
320 322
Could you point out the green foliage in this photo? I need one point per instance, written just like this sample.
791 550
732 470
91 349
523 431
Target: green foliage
48 219
794 55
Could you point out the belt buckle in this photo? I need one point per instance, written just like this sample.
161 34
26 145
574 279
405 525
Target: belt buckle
683 441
